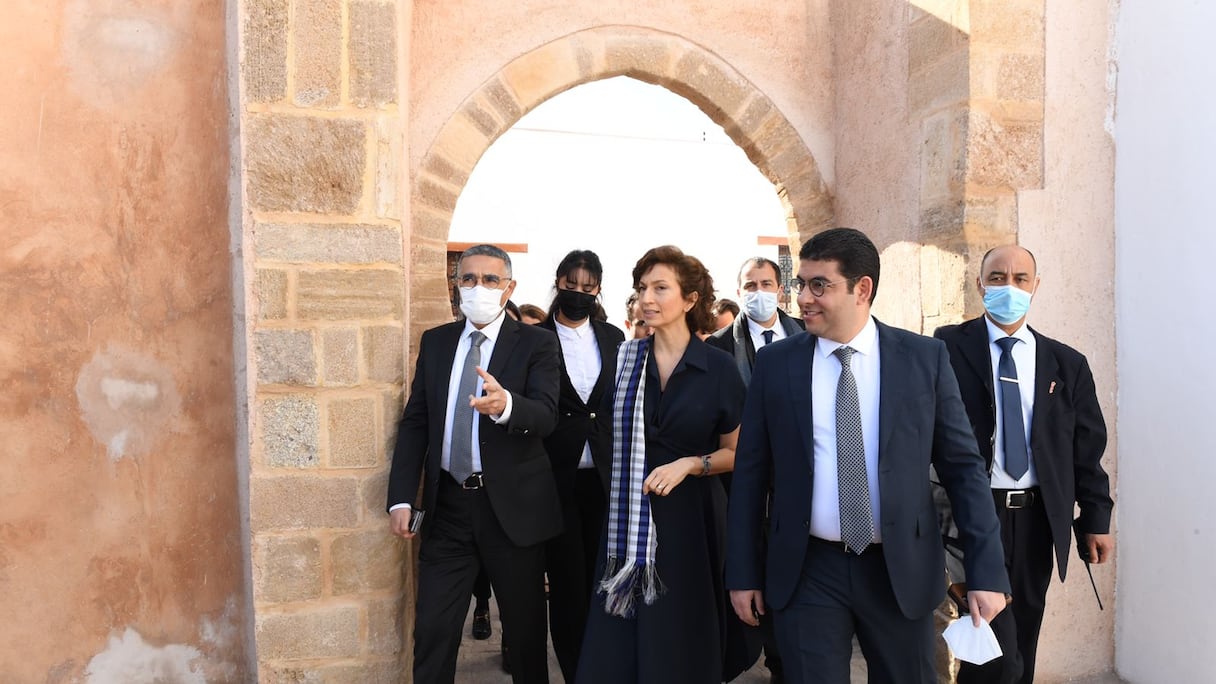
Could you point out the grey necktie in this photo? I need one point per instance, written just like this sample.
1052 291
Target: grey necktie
768 337
856 523
1013 429
460 464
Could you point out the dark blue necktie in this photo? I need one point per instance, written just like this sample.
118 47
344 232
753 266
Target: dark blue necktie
768 337
1012 427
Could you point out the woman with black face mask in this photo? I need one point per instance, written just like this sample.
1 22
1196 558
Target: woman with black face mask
580 448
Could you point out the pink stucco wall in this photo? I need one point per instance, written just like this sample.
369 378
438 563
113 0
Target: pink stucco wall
120 543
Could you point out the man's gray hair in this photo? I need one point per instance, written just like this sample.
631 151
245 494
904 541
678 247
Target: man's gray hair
485 250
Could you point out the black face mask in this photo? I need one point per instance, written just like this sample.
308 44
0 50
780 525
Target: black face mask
575 305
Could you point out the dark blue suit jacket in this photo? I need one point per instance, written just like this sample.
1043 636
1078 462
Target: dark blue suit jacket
921 422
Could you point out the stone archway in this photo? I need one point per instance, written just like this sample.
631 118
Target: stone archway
683 67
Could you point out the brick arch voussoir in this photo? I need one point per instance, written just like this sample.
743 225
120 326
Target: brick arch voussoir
685 68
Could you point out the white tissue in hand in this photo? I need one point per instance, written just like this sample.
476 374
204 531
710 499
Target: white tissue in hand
972 644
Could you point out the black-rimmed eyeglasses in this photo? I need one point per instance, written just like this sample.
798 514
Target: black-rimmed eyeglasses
817 286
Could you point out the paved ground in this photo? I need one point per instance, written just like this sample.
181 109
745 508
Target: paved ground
480 662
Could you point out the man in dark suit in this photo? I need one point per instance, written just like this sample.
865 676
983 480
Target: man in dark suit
1044 454
843 423
762 323
483 396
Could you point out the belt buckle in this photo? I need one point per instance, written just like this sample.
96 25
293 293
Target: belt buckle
477 479
1016 499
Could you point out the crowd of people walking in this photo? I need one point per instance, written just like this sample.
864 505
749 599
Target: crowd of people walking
731 480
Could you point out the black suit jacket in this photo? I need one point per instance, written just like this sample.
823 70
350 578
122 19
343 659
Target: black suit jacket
578 422
921 421
518 477
736 340
1067 433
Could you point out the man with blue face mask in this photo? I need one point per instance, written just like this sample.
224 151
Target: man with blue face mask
1034 410
763 322
482 398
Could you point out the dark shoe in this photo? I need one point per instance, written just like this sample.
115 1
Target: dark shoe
481 624
506 662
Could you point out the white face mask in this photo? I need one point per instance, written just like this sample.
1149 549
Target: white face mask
480 305
760 306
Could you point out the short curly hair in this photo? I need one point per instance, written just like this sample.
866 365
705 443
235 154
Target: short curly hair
692 276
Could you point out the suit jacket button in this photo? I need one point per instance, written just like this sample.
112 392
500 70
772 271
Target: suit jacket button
806 524
592 416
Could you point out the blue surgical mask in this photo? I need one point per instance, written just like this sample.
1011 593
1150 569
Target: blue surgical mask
1005 303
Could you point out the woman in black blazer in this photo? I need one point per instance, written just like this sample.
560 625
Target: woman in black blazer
581 442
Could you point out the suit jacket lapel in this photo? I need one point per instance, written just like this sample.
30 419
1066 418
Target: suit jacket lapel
508 337
800 393
567 386
607 359
449 339
788 324
1046 372
892 385
975 351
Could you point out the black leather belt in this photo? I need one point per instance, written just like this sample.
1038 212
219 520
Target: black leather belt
843 547
1014 499
474 481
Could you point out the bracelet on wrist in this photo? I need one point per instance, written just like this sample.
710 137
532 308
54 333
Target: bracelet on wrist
705 465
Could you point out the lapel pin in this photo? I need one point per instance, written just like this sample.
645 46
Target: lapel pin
1052 388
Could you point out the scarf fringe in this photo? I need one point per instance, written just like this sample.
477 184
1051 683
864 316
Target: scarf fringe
624 583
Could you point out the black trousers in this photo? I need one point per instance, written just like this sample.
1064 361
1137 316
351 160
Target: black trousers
465 536
840 595
570 564
1026 536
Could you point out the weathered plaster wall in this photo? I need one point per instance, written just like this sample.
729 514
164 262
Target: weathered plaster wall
963 124
1069 225
876 145
120 544
1164 242
783 48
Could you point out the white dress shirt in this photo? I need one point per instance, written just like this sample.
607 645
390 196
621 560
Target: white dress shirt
757 331
1024 359
581 355
825 375
491 332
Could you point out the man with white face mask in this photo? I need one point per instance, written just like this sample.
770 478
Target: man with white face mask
483 396
763 321
1034 410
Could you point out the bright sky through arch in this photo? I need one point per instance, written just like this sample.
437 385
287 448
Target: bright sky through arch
617 166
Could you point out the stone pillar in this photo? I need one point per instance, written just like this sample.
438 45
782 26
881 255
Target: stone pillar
975 84
324 245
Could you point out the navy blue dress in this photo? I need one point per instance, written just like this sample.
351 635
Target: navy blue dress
682 637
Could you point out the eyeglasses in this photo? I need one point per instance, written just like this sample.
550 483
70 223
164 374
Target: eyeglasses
817 286
489 280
